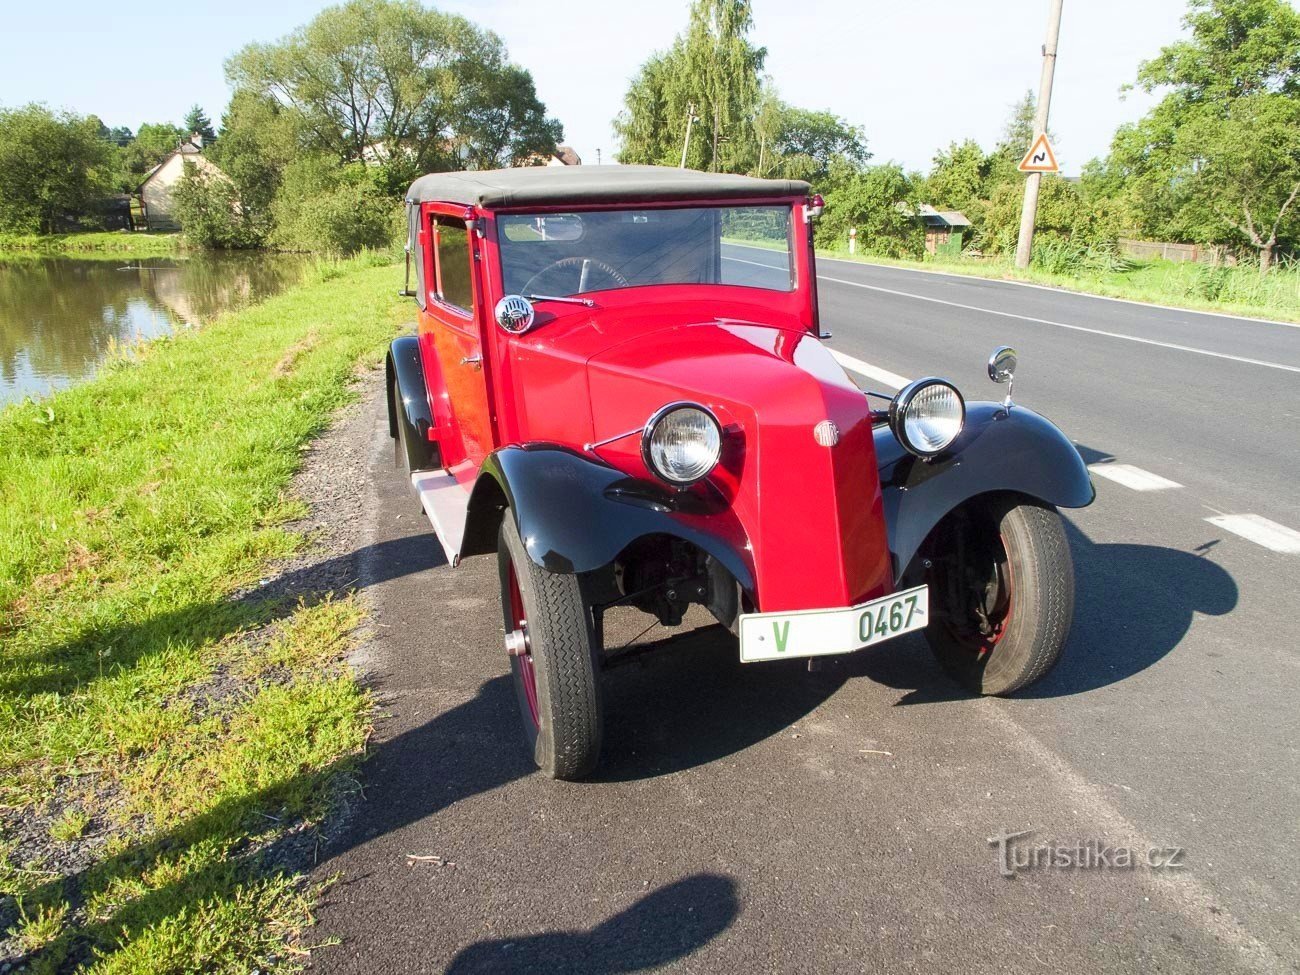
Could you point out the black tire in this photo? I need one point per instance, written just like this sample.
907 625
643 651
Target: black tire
563 723
1001 593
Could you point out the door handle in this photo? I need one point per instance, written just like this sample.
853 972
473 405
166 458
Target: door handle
472 360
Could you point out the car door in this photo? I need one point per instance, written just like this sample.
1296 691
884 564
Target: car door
454 314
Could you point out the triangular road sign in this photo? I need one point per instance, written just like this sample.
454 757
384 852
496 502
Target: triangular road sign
1040 158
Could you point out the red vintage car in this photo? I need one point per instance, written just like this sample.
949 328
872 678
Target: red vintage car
607 396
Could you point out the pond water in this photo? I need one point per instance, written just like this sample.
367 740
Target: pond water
61 316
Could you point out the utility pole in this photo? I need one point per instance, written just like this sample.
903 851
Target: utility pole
1025 247
690 121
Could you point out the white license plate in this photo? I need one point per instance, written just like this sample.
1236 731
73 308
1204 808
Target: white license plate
816 632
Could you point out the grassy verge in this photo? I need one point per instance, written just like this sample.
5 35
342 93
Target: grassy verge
171 734
115 243
1226 290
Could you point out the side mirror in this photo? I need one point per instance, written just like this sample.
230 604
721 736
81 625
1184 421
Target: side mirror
1002 364
1002 369
514 313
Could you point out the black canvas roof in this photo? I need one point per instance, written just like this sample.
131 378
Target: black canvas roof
558 185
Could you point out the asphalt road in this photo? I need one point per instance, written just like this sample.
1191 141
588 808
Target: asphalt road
767 819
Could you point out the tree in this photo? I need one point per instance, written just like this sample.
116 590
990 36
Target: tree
1219 158
152 143
391 79
197 123
957 178
808 142
259 139
52 166
208 208
1242 170
880 202
712 68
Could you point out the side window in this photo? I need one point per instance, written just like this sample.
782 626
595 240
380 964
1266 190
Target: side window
455 279
415 255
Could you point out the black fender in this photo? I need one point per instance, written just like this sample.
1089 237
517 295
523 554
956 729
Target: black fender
576 514
997 450
410 417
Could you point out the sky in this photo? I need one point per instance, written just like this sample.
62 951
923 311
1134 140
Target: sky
916 74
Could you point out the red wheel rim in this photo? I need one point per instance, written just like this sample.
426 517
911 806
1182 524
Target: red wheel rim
977 633
525 660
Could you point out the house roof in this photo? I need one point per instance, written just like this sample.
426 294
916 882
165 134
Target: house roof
936 218
186 148
547 185
568 156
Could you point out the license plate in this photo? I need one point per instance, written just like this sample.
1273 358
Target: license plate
817 632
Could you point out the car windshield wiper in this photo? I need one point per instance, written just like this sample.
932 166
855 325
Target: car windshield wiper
568 301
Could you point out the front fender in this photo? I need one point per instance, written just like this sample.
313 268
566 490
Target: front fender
576 515
410 416
998 450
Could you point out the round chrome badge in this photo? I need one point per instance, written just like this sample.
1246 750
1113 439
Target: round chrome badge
826 433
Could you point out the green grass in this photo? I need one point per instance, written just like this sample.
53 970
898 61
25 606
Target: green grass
115 244
185 736
1227 290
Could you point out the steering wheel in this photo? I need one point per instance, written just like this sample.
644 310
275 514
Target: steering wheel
585 265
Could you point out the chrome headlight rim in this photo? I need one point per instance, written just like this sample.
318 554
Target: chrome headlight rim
898 408
647 439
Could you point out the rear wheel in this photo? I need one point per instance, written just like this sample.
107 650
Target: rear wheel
1001 593
554 658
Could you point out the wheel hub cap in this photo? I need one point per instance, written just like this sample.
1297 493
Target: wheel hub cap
517 643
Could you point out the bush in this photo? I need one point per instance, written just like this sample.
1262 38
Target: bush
330 209
210 212
877 202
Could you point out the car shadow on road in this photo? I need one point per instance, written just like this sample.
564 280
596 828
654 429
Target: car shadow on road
689 701
1133 606
662 927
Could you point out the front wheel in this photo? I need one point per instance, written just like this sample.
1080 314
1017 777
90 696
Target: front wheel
1001 593
554 658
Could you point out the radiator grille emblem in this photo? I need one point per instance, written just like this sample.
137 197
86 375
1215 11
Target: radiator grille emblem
826 433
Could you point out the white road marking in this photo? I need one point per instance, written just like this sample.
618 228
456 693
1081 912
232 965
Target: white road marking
1261 531
741 260
1044 287
883 376
1073 328
1133 477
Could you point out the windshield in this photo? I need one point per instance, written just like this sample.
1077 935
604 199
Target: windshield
571 253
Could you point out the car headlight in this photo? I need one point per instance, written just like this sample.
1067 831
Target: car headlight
681 443
927 415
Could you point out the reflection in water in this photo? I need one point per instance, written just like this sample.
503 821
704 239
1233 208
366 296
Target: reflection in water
60 317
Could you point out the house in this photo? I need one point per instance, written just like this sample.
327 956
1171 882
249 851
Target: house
943 229
159 184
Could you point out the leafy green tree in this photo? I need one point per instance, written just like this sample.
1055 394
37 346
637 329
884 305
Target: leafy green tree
53 165
957 178
808 143
208 209
153 142
324 207
879 201
712 68
379 80
259 139
197 123
1218 159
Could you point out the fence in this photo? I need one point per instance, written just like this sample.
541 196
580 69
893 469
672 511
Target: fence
1170 251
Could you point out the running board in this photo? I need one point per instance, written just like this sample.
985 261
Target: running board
446 504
